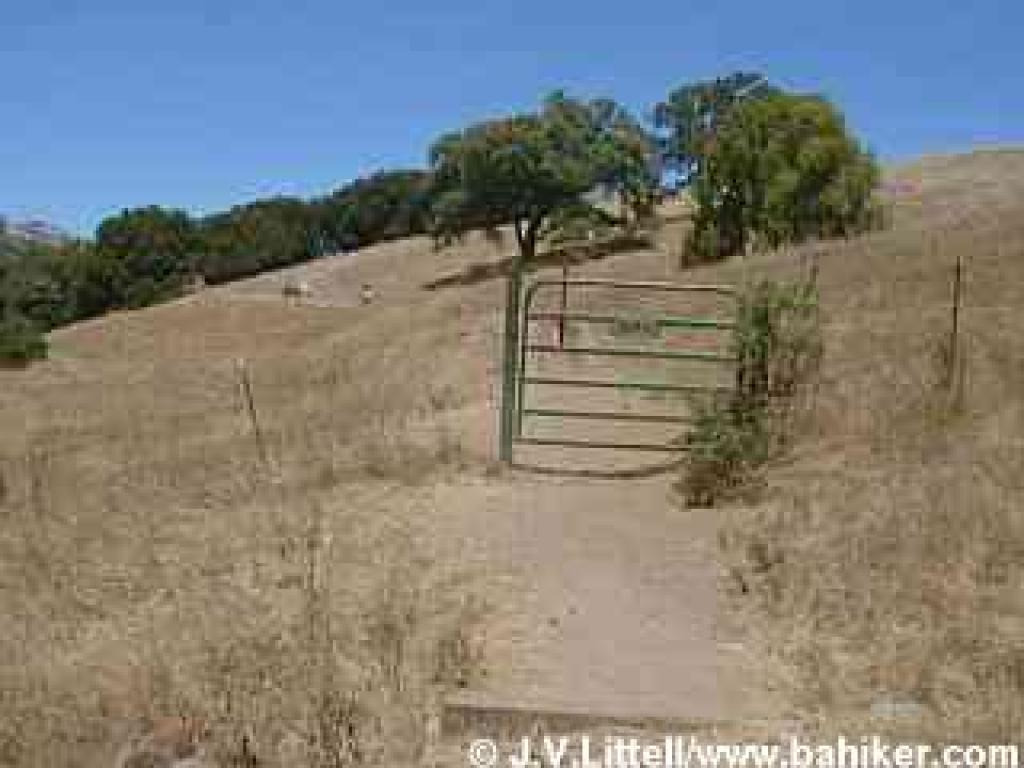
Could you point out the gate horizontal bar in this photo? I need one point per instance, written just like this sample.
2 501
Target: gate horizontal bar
646 386
589 444
710 357
652 418
724 290
667 321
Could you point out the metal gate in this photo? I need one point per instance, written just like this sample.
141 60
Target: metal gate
551 334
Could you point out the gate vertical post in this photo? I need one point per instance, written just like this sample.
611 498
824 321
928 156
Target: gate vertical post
565 302
510 354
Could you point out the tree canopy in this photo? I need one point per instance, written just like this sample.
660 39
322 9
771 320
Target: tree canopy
149 253
384 206
253 238
779 169
693 113
525 169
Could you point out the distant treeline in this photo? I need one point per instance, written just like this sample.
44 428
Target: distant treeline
146 255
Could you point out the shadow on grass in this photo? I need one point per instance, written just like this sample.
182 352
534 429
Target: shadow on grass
576 253
634 473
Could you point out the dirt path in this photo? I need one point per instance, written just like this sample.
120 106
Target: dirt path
614 609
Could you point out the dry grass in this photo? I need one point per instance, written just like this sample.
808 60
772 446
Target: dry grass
887 558
158 558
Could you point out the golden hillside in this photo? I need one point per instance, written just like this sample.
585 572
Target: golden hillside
166 549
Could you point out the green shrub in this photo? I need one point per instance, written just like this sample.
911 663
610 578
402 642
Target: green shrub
725 444
20 342
780 169
777 342
778 347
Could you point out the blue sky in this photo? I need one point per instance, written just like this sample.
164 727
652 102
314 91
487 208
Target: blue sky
200 104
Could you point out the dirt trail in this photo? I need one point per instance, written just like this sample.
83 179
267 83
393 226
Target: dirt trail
615 609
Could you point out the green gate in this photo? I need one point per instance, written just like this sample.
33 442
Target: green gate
522 385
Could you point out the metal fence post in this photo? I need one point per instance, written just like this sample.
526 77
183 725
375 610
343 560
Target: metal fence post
565 302
510 353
